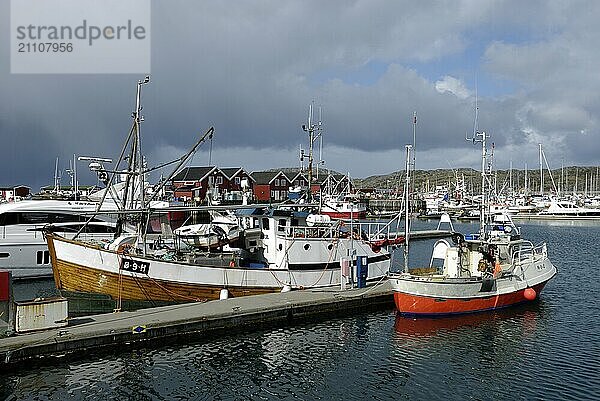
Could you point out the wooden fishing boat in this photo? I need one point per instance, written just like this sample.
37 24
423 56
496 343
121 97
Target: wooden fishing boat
273 249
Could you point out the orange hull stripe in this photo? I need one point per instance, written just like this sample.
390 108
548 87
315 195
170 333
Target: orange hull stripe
422 305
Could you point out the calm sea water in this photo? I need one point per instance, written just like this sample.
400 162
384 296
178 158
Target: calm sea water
548 350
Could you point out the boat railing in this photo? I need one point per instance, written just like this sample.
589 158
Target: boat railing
370 231
526 254
311 232
380 231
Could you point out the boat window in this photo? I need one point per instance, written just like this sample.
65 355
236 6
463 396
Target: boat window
281 225
43 257
9 219
4 254
12 218
65 218
265 223
34 218
104 229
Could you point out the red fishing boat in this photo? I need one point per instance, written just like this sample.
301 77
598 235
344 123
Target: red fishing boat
492 269
343 207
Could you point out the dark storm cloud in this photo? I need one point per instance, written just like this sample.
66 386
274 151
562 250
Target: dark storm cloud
250 70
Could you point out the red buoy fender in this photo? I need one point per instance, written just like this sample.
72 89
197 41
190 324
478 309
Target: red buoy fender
529 294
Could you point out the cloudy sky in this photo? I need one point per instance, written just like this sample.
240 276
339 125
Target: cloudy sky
251 68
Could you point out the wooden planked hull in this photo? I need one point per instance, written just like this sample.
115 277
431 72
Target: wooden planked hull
77 278
85 268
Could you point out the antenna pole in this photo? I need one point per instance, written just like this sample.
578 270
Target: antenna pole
311 133
526 183
541 172
414 144
483 179
138 158
314 132
75 177
210 151
407 207
482 137
56 179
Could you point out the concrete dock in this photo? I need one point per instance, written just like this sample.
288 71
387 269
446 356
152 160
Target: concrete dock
193 321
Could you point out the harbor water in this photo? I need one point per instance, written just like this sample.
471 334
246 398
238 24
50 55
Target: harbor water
546 350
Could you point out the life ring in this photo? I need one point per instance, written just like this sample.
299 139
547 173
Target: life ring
232 263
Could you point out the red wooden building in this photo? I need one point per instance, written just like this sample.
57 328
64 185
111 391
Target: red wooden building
270 186
195 182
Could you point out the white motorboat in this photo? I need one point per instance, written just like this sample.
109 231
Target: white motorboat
23 248
567 209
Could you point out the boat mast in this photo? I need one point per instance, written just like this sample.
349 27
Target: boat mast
483 179
321 161
525 184
75 178
541 172
414 144
314 133
56 177
138 118
481 136
407 207
510 182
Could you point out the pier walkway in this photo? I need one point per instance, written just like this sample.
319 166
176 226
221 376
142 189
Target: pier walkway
193 321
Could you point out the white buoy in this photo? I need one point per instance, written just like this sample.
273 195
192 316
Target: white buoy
224 294
286 288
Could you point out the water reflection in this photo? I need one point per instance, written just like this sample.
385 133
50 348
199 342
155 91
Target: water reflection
469 356
526 315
